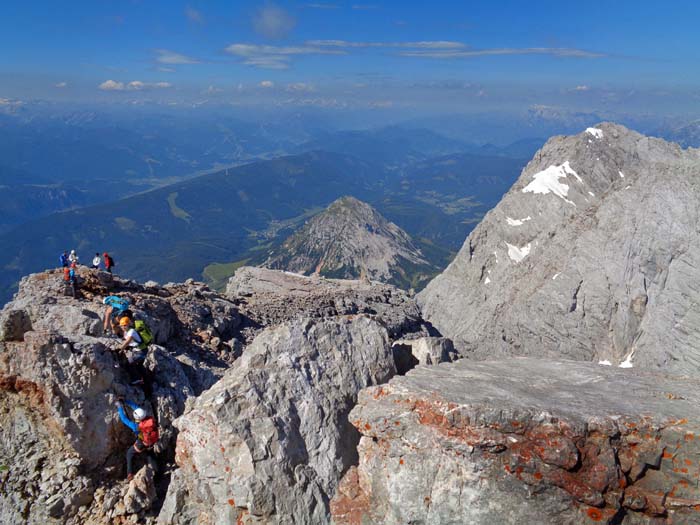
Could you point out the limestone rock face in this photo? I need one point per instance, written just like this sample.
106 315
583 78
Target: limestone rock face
524 441
269 297
423 351
269 442
61 442
594 254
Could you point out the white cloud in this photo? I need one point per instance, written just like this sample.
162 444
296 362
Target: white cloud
111 85
267 84
213 90
166 56
273 22
364 7
554 51
274 57
193 15
323 6
164 69
134 85
581 88
61 85
427 44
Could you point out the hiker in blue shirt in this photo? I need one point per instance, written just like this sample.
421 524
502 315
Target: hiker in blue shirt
64 260
145 428
116 308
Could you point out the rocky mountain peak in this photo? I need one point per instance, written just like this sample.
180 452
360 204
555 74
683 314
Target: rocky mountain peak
591 255
351 239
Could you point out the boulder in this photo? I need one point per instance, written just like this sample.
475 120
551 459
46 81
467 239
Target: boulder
141 492
524 441
422 351
269 442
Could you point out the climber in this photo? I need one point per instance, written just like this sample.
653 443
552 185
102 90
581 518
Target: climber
137 337
109 262
145 428
64 260
71 279
73 257
96 262
116 306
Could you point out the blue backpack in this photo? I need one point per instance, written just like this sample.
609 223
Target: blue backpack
118 304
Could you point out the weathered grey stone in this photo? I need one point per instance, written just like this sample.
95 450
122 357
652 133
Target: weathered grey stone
271 439
141 492
270 297
597 259
60 436
524 441
422 351
14 324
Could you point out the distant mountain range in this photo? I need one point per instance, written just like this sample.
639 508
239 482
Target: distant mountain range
174 232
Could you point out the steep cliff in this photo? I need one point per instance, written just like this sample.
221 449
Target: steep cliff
594 254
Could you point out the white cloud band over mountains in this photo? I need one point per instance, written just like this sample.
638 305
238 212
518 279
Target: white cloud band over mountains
134 85
280 57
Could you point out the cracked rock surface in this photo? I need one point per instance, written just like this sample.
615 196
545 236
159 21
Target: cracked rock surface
525 441
594 254
270 441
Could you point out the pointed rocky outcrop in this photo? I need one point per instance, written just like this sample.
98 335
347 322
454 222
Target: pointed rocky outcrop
349 240
594 254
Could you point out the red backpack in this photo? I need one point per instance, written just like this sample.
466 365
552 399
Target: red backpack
148 432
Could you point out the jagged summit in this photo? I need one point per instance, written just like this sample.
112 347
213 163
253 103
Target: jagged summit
593 254
351 239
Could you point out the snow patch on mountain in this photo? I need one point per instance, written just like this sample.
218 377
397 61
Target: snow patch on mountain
547 181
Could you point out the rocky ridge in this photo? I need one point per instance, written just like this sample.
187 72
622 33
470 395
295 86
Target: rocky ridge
62 447
594 254
351 239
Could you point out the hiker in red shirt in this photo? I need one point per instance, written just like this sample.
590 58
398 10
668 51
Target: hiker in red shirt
109 262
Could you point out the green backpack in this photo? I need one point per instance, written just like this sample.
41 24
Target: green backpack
144 332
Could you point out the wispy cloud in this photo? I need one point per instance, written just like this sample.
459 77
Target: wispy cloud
61 85
165 56
581 88
467 53
212 90
164 69
267 84
134 85
275 57
423 44
299 87
364 7
273 22
322 6
193 15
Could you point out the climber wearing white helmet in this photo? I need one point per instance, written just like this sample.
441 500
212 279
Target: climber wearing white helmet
145 428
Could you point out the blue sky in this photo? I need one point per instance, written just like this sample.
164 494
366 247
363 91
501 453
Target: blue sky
636 55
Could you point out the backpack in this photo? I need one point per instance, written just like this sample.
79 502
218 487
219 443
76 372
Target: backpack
66 274
120 304
148 431
144 333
